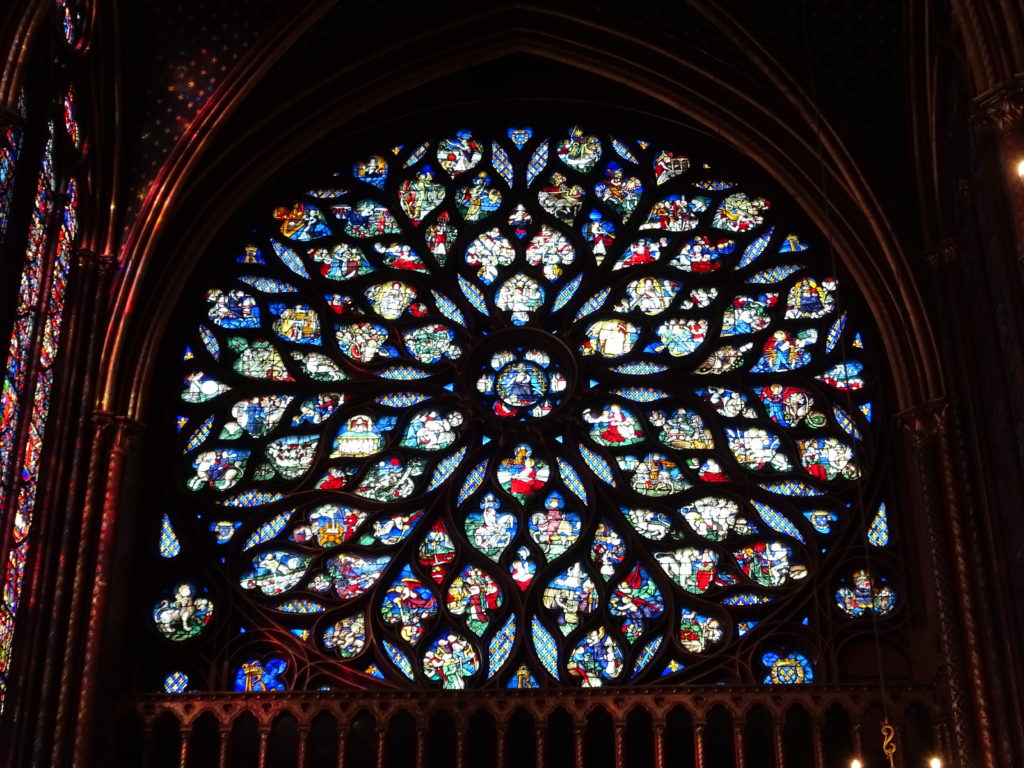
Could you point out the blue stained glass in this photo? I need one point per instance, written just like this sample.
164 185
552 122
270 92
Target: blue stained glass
401 399
844 375
537 163
210 342
868 593
640 369
403 373
180 423
645 656
290 258
571 479
169 544
865 408
792 244
742 627
773 275
671 667
251 255
176 682
373 170
858 342
777 521
844 421
417 153
821 519
520 136
835 332
10 145
473 481
594 303
523 678
400 660
792 669
447 308
746 598
327 193
445 468
501 646
597 465
567 292
755 249
301 606
544 645
714 186
878 531
254 675
266 285
223 530
268 530
199 435
501 163
640 394
792 488
476 298
251 499
374 671
623 151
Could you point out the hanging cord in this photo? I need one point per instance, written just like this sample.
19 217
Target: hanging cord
888 732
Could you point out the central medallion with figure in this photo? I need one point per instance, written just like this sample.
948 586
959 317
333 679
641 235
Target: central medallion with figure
523 376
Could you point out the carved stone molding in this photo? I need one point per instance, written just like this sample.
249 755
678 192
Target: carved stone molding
104 262
925 420
123 428
1000 109
942 252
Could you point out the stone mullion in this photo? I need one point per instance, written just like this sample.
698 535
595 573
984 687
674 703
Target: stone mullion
998 123
114 444
83 318
1001 661
955 597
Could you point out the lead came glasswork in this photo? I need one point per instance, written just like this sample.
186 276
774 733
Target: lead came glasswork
525 511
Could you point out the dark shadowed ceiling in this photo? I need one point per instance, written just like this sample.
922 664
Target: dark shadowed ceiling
847 56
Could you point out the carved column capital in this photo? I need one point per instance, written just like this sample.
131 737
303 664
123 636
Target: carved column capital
926 420
1001 109
123 428
942 252
89 258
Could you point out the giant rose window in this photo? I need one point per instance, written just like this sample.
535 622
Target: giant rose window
538 410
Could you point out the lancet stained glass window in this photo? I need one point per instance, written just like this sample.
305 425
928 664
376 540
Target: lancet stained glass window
28 380
10 145
533 409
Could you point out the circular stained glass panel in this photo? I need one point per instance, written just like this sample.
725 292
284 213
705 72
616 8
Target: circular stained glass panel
530 410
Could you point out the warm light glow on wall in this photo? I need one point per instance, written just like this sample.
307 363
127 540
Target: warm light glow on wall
855 763
935 762
1020 169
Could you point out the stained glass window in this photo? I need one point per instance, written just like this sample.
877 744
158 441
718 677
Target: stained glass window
533 409
16 387
71 17
10 146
